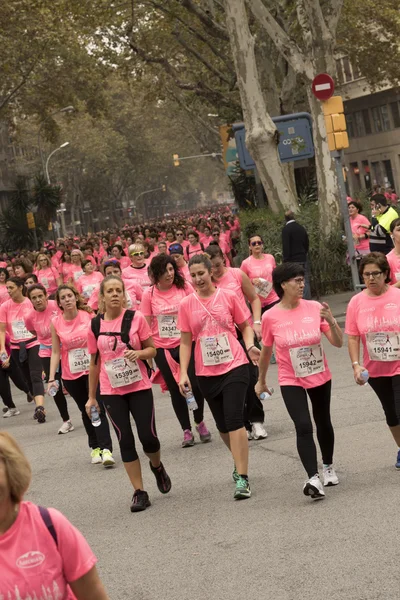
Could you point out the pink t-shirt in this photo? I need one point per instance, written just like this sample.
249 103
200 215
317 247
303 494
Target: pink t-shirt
261 269
66 271
75 272
186 274
4 295
368 315
207 319
124 261
139 276
394 263
232 280
31 565
74 340
297 337
192 250
206 240
112 372
14 315
48 278
357 230
40 321
162 307
86 284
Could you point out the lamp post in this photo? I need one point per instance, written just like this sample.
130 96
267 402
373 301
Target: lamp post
66 109
49 157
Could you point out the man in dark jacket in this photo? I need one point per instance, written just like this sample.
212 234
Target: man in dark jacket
382 216
295 246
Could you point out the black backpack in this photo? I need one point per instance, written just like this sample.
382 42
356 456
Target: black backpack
123 334
187 250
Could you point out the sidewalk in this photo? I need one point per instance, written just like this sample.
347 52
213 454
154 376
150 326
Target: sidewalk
338 303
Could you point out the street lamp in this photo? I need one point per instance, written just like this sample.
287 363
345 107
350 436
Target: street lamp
66 109
49 157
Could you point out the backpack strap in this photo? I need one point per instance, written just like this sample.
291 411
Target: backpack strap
126 327
44 513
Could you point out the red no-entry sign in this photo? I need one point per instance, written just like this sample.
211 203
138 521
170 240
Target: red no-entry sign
323 86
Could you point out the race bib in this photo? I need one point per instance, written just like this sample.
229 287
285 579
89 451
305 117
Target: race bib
216 350
77 275
78 360
167 326
45 282
264 288
307 360
87 291
397 275
19 330
121 372
383 346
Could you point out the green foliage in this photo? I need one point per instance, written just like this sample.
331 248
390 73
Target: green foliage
243 188
329 271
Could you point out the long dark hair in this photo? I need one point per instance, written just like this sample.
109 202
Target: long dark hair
80 303
19 282
158 266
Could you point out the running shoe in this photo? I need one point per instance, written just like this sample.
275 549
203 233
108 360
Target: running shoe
259 432
107 458
5 409
249 434
140 501
188 439
313 487
273 359
66 427
96 456
398 460
330 477
29 397
162 478
205 435
40 414
242 490
235 474
11 412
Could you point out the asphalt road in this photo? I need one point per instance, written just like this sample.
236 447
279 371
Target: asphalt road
198 543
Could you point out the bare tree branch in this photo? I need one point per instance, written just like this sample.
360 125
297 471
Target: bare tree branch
14 91
193 114
213 28
201 58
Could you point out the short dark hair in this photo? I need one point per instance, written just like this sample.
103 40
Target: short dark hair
253 236
36 286
31 276
4 270
196 235
379 199
214 251
19 282
284 273
85 262
357 204
375 258
158 266
394 224
201 259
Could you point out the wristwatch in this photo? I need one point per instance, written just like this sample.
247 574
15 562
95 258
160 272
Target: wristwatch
257 322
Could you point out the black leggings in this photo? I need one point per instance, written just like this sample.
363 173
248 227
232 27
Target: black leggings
295 398
141 406
178 401
31 369
228 406
388 391
59 398
253 408
15 374
98 437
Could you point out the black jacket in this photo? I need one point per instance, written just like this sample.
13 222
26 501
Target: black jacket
295 243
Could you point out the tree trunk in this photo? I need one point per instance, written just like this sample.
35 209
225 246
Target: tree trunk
261 138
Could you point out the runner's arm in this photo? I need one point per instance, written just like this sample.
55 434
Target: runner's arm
2 338
185 352
55 353
89 587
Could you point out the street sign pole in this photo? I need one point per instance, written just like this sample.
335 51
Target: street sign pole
337 155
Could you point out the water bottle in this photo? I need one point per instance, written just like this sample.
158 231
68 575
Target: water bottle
3 357
265 395
191 400
364 376
94 416
54 388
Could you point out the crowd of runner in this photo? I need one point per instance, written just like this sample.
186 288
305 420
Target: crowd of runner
103 318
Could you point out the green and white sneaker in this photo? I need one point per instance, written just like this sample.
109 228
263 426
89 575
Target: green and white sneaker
107 458
235 474
242 490
95 455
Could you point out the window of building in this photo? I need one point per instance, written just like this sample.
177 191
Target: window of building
350 126
359 123
348 74
367 121
394 107
380 117
385 117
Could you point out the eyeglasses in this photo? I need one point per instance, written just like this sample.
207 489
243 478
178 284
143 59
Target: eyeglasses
215 234
256 243
137 253
179 233
373 274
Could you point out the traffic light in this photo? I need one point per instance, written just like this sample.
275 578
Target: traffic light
176 160
164 187
31 220
335 122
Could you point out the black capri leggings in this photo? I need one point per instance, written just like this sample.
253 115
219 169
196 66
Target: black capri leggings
59 398
388 391
31 369
295 398
15 374
141 406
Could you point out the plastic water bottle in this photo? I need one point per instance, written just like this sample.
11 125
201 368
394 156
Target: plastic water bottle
54 388
94 416
364 376
265 395
191 400
3 357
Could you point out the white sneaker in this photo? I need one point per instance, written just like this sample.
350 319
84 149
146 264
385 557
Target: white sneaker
11 412
66 427
330 477
108 460
95 456
259 431
313 487
249 435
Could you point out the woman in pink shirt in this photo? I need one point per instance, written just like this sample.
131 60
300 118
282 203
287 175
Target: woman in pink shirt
118 253
24 345
41 553
47 275
373 319
258 267
90 281
3 287
208 317
393 257
176 252
359 227
295 326
69 341
160 305
75 268
180 238
65 268
39 323
194 247
118 363
137 271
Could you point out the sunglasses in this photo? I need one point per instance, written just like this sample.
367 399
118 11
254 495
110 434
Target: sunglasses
215 234
256 243
137 254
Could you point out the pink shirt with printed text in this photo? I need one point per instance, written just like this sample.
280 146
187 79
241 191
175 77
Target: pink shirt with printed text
31 565
13 314
394 264
261 268
48 278
139 276
40 323
208 317
375 314
139 332
232 280
86 284
297 328
73 335
156 303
